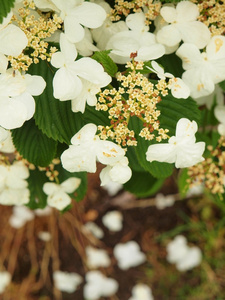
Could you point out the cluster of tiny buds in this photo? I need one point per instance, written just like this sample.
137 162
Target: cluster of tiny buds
210 172
124 8
50 171
136 97
36 30
212 14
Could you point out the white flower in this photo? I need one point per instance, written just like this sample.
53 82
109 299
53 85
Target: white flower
97 258
182 25
67 81
98 286
118 172
13 39
17 104
45 236
182 255
66 282
137 39
13 184
128 255
94 229
112 187
6 144
58 193
141 292
47 211
5 279
178 88
181 148
87 148
86 47
78 13
217 96
219 112
113 220
21 215
203 70
162 201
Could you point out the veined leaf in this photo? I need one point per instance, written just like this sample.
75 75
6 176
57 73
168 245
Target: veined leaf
33 145
108 64
5 7
171 64
143 184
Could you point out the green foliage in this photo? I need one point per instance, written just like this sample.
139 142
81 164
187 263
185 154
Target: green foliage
172 64
5 7
33 145
108 64
36 180
182 182
143 184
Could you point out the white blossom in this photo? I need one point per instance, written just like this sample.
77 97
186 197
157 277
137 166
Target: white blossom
182 255
13 185
94 229
87 148
141 292
203 70
21 215
182 24
112 187
219 112
97 258
66 282
6 143
86 47
162 201
216 96
45 236
17 104
156 68
98 286
58 193
181 149
78 13
113 220
137 39
74 79
5 279
128 255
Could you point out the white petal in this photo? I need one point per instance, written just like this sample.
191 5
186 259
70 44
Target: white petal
192 259
35 85
187 11
85 134
109 152
169 14
50 188
179 89
190 155
60 200
120 173
136 21
185 128
168 35
151 52
219 112
13 113
66 85
28 101
67 48
58 60
71 184
216 48
13 40
190 55
161 153
3 63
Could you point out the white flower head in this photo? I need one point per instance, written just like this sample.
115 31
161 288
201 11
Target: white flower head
128 255
6 143
141 292
58 193
98 286
66 282
203 70
113 220
97 258
182 24
162 201
182 255
87 148
77 14
181 148
5 279
94 229
136 40
21 215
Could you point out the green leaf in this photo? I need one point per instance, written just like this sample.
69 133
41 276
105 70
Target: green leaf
108 64
143 184
36 180
183 186
33 145
172 64
222 85
5 7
